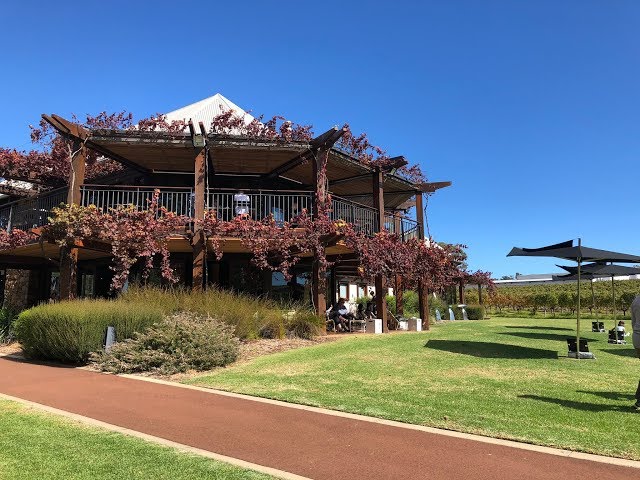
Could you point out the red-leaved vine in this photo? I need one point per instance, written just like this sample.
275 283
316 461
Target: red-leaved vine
15 238
132 234
142 235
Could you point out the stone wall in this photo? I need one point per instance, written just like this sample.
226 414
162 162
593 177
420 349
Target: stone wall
21 289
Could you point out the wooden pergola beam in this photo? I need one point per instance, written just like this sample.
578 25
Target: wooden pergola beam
340 181
395 162
321 142
18 192
431 187
26 261
78 132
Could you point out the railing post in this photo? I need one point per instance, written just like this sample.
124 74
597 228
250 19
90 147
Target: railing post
423 291
10 220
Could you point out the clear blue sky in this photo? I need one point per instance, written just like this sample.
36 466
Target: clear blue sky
532 109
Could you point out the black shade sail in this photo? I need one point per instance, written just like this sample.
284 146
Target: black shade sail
568 251
578 253
600 270
590 271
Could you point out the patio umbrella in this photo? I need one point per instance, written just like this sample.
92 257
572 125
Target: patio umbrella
578 254
595 270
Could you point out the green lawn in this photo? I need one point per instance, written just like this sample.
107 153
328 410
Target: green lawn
506 378
34 445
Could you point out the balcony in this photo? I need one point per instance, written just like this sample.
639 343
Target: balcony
34 212
284 205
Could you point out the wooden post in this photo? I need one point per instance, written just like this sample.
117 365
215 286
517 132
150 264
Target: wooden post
76 176
199 250
423 291
378 204
319 277
399 292
68 273
69 256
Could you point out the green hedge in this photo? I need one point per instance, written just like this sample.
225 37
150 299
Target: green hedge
474 312
70 331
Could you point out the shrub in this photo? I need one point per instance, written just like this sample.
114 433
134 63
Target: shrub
273 329
475 312
68 331
177 344
438 303
304 324
7 319
249 316
411 303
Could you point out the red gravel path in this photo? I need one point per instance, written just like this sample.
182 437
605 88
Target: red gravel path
306 443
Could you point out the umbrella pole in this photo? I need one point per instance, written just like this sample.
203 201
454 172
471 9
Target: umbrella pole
613 295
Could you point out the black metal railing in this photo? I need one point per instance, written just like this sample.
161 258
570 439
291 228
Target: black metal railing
284 205
104 197
364 219
406 228
33 212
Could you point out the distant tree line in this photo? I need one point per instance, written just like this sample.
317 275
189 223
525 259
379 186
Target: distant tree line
596 297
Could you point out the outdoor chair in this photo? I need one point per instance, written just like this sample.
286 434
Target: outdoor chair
597 327
358 325
331 325
584 348
617 337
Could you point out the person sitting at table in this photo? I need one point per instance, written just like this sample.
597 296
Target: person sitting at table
340 315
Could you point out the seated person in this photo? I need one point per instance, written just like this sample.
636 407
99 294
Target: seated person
360 314
374 308
618 333
370 311
340 315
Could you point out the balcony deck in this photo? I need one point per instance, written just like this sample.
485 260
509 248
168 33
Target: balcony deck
284 205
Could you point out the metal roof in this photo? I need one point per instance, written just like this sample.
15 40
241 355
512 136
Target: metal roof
205 110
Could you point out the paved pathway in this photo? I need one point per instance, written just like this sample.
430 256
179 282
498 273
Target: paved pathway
306 443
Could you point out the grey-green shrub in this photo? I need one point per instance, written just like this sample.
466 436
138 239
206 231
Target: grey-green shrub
304 324
251 317
68 331
177 344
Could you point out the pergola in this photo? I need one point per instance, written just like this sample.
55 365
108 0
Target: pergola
316 166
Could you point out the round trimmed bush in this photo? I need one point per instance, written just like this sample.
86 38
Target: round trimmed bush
69 331
475 312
